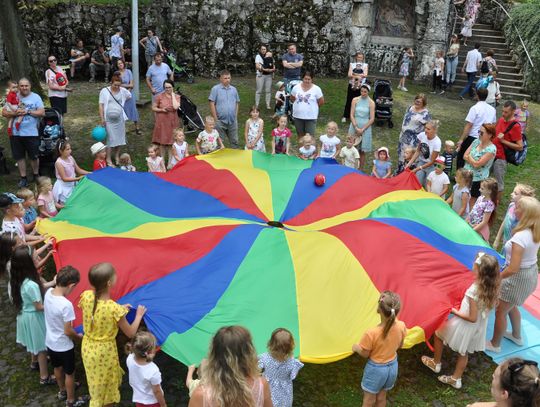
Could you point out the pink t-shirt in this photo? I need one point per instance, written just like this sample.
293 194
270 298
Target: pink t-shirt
280 139
47 201
69 167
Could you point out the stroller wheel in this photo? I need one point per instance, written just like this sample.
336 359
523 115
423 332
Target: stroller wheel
390 124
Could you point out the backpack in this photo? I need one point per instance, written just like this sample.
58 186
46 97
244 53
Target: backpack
512 156
484 68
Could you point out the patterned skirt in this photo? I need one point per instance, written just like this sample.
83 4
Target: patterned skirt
517 288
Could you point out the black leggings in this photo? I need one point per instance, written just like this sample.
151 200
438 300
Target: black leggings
437 81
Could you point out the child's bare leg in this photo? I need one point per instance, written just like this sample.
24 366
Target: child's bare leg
438 346
369 399
381 399
461 364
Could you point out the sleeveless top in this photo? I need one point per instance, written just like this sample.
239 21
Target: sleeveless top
256 392
151 46
69 167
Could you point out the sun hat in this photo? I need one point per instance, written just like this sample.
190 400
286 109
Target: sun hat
97 147
8 199
279 84
382 149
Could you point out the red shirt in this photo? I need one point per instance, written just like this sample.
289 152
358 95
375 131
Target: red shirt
514 135
99 164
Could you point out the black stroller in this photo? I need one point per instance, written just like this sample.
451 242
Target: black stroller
190 116
51 131
382 94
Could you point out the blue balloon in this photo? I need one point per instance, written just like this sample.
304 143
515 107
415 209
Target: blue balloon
99 133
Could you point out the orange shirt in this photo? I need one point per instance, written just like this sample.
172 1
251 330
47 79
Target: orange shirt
383 350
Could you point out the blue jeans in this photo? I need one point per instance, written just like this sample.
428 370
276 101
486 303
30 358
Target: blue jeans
469 86
451 68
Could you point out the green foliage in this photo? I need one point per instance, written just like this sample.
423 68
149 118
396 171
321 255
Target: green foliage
525 18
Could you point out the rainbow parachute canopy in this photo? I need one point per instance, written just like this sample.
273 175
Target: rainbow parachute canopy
242 237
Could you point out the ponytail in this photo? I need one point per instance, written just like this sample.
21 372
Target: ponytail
99 276
389 307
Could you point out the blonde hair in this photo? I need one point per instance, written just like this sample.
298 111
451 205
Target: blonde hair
389 307
142 345
125 159
99 276
332 123
434 123
209 119
307 137
530 217
155 148
24 193
525 190
449 143
489 281
232 361
177 131
466 175
409 150
281 344
524 103
40 183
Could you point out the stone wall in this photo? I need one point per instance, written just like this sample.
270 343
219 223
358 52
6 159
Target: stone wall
212 35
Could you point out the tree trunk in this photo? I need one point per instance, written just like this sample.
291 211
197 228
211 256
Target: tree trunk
17 49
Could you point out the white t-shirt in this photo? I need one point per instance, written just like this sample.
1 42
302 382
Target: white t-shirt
350 156
523 238
305 105
258 60
141 379
307 152
117 43
50 77
58 310
329 146
474 57
438 66
438 181
493 90
15 226
427 147
479 114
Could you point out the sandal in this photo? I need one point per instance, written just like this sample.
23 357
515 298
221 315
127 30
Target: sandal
62 394
430 363
47 381
81 401
138 132
455 383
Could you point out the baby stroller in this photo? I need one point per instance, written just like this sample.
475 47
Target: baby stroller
288 103
382 94
190 116
51 131
179 67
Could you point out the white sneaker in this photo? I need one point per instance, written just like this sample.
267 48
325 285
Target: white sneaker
517 341
491 348
404 89
343 120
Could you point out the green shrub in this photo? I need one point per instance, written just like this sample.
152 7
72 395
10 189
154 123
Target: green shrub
526 19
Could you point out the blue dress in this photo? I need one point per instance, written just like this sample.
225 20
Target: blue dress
129 106
361 115
280 376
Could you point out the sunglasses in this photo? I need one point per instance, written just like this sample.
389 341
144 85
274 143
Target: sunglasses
52 60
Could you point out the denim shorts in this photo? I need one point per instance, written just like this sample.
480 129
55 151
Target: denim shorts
379 376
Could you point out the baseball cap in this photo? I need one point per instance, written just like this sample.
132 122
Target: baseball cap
8 199
439 160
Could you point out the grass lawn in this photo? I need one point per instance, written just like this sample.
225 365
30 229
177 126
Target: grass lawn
335 384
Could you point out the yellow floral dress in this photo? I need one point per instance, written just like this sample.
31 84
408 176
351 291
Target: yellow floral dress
99 352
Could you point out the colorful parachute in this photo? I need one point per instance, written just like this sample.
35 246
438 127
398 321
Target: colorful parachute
241 237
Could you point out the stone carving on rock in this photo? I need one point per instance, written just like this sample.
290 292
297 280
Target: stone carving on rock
394 18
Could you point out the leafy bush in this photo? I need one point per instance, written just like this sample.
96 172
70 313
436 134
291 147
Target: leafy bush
526 19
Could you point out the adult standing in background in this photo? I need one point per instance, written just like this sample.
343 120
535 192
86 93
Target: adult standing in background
112 100
130 107
358 71
362 115
307 98
264 65
292 64
25 139
166 109
224 102
471 66
117 46
156 75
452 61
429 147
479 114
57 83
508 135
151 45
414 120
78 57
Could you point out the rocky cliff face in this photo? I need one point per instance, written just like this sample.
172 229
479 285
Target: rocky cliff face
213 34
